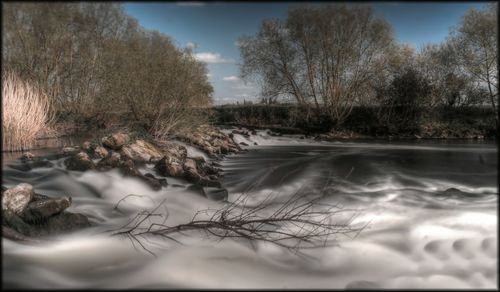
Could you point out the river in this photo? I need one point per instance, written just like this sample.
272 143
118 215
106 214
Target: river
429 212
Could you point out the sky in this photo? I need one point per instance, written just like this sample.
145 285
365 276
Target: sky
213 28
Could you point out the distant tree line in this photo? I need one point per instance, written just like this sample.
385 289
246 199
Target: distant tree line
334 57
92 59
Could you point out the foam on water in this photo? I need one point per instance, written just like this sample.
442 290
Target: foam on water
415 236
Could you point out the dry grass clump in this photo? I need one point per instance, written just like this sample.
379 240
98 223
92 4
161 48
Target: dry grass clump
25 112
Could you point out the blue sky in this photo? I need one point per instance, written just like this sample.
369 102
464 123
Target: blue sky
213 28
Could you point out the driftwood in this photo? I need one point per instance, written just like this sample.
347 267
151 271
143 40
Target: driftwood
299 223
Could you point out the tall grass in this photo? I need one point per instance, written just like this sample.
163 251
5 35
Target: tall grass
25 113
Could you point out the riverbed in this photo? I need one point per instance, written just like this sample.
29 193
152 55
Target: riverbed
428 212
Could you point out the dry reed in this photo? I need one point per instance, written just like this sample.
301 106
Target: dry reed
25 113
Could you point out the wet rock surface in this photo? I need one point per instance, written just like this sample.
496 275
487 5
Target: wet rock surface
116 141
16 199
79 161
26 214
211 140
142 151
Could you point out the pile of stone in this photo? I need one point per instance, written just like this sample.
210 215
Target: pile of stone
210 140
26 214
120 151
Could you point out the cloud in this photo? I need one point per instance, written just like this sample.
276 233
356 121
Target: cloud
190 3
231 78
209 57
243 86
191 45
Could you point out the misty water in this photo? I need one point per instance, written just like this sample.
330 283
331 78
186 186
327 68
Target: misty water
429 211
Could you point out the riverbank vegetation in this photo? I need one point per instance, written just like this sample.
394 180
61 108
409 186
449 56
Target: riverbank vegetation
98 66
334 66
26 112
337 61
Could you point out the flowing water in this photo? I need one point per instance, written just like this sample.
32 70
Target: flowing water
417 232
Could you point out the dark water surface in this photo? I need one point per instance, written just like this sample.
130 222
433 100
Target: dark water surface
431 210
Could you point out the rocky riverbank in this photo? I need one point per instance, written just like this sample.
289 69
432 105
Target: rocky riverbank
27 215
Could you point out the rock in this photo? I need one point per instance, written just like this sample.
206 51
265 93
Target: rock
28 165
42 215
162 181
79 161
253 132
192 174
17 198
243 143
64 222
208 169
15 222
142 151
190 164
109 162
168 167
28 156
45 207
100 152
255 143
65 151
87 145
116 141
218 194
128 168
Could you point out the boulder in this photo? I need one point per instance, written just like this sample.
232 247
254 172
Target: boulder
64 222
128 168
87 146
116 141
109 162
28 156
42 208
100 152
243 143
79 161
42 215
65 151
142 151
29 164
213 193
174 151
169 167
192 174
17 198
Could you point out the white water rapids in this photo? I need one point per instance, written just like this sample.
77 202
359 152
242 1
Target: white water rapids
417 235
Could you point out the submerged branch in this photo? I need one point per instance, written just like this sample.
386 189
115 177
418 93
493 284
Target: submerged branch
300 223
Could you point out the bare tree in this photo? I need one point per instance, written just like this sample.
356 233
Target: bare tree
475 40
91 58
321 55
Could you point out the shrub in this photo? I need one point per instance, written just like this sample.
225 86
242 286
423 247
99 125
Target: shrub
25 112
